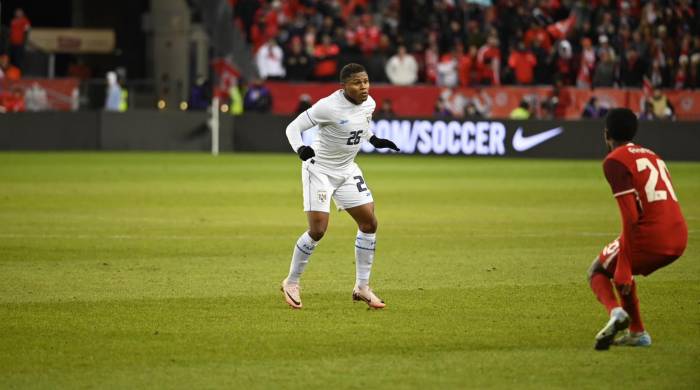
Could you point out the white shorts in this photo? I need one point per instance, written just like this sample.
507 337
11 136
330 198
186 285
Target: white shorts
347 188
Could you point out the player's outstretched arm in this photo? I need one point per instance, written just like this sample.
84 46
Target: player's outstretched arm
381 143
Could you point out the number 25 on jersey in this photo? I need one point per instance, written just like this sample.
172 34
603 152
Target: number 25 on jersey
653 194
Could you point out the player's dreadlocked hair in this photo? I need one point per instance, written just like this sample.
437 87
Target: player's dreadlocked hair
621 124
349 70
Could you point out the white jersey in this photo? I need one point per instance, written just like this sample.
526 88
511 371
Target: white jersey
342 125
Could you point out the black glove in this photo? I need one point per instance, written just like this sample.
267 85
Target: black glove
305 152
381 143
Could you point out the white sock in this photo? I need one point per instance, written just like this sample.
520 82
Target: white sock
302 251
364 257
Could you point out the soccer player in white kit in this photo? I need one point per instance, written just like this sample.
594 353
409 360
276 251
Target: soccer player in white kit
329 170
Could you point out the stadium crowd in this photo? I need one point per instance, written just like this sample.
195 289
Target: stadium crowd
597 43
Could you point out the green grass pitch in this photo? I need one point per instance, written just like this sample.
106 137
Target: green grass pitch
156 270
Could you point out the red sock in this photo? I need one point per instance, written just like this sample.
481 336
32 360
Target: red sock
630 303
603 290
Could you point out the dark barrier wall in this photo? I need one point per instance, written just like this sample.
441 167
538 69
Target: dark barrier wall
261 132
133 130
188 131
49 131
168 130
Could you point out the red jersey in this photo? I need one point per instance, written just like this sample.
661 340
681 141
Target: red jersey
660 227
18 27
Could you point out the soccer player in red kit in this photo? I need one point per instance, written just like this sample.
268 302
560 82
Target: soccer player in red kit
654 233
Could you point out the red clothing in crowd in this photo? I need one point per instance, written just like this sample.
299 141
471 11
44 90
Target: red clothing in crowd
18 28
523 63
540 32
326 60
488 60
368 38
12 102
465 63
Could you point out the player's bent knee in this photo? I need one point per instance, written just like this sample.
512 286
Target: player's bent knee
595 268
316 234
369 227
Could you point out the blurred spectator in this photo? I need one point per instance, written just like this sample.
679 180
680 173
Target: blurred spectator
368 34
467 66
657 76
559 99
606 25
693 81
236 92
270 60
584 78
12 101
522 62
593 109
386 111
431 59
18 37
596 43
419 55
375 63
200 95
537 33
647 113
522 111
304 103
661 105
297 62
632 69
326 57
681 73
604 46
7 70
402 68
543 71
447 70
564 62
114 93
475 34
258 97
35 98
604 75
489 62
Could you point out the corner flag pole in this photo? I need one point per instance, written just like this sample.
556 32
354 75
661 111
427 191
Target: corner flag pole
215 126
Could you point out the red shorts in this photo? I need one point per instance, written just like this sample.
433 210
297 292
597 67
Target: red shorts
643 263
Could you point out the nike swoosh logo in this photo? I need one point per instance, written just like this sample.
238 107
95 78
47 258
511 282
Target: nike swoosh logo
291 299
343 121
521 143
359 297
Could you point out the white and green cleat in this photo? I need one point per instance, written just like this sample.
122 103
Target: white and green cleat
633 339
